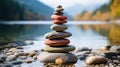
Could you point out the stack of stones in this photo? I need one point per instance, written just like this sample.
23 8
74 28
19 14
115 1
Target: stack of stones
57 49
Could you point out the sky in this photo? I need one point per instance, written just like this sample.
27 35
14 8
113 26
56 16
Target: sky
69 3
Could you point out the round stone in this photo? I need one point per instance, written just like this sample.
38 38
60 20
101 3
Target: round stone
46 57
64 49
96 60
55 35
59 61
11 58
58 27
57 42
59 17
59 21
59 9
115 48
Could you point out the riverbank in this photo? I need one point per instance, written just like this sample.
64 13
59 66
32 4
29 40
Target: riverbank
24 56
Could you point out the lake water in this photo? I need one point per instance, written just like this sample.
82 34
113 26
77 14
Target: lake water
92 34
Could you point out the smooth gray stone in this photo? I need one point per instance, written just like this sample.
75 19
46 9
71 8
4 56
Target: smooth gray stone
58 27
54 35
115 48
67 48
11 58
46 57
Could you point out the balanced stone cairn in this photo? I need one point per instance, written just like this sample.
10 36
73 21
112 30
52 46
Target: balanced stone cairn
57 49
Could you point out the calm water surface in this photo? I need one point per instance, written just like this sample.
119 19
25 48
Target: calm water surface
92 34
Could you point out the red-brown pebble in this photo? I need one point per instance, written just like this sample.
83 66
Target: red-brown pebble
57 42
59 22
59 17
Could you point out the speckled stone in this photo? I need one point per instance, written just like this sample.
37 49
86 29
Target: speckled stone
58 27
46 57
96 60
59 17
67 48
54 35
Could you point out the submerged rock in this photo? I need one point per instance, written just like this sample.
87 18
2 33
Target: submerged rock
83 49
28 42
16 62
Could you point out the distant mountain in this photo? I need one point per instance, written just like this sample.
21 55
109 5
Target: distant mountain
37 7
78 8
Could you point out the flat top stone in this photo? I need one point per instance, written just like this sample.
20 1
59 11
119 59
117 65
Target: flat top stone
67 48
54 34
47 57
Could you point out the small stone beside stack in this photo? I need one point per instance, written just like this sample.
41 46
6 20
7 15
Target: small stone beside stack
56 42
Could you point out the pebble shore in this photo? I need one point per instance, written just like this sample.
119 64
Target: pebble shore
16 56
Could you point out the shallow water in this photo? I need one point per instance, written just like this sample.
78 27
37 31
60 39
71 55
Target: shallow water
92 34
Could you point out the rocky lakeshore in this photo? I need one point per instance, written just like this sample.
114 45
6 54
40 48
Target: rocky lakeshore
107 56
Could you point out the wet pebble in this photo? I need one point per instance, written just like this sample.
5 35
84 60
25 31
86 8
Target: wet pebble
11 58
28 61
115 48
32 53
19 47
16 62
12 50
96 60
6 65
82 49
82 57
16 66
21 54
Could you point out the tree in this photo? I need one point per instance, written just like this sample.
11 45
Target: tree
115 8
11 10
